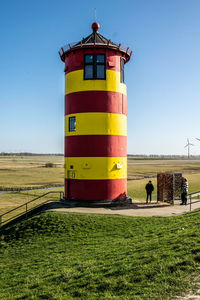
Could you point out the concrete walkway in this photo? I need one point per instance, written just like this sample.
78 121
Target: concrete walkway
135 209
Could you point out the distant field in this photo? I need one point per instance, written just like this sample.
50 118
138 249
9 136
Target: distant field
26 172
30 172
144 168
136 188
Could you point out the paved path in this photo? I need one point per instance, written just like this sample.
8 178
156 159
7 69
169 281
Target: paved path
136 209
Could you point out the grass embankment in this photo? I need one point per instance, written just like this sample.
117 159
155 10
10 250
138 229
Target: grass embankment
78 256
13 200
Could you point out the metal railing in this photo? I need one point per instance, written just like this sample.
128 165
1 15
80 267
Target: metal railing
80 44
190 196
25 208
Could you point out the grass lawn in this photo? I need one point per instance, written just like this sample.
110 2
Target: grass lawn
136 188
29 171
12 200
14 179
80 256
138 169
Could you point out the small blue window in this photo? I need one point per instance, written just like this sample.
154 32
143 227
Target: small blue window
95 66
72 123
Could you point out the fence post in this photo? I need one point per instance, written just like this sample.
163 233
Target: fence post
190 202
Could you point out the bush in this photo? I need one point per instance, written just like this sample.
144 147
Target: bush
50 165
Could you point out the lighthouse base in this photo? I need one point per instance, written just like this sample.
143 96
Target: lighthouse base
95 190
98 203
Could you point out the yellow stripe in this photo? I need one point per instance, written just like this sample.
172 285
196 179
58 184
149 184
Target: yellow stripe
96 167
97 124
74 82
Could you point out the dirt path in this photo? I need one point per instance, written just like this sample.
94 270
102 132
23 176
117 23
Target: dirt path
136 209
192 295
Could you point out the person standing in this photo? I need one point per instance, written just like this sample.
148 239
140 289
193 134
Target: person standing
149 189
184 191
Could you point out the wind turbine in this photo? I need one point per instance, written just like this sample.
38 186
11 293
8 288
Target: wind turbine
188 146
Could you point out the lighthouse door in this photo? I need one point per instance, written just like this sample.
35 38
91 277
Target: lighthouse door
70 176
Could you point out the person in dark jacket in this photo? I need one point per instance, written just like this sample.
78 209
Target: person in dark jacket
184 191
149 189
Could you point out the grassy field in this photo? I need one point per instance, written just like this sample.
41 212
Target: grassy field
30 172
138 169
27 172
80 256
77 256
136 188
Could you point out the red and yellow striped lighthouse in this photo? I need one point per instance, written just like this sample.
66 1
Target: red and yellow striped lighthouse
95 119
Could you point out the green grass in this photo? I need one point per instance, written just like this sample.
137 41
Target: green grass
80 256
12 200
28 178
29 172
136 188
30 161
140 169
26 172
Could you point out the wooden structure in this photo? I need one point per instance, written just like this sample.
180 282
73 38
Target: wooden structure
168 187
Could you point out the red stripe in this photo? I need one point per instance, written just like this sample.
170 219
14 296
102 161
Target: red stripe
112 189
95 101
75 60
96 146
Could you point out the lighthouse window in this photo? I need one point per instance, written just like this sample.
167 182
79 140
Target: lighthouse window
72 123
122 70
95 66
100 71
100 58
89 72
89 59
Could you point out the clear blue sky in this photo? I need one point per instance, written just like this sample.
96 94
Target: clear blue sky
163 76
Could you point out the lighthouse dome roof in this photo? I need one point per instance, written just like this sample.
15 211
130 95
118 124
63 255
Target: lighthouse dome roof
95 39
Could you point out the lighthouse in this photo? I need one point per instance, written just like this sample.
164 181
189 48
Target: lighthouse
95 119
